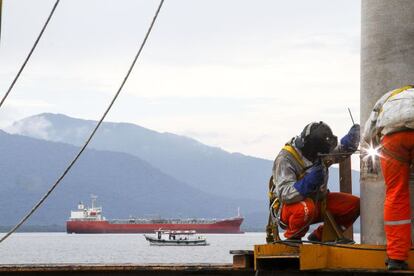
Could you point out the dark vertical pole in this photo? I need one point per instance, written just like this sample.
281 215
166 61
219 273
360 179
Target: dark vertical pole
345 176
345 186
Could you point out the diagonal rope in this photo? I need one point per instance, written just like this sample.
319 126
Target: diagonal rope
93 132
30 53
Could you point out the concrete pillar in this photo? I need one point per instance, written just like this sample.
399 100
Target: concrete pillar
387 62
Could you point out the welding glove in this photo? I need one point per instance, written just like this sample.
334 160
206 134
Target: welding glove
311 181
350 141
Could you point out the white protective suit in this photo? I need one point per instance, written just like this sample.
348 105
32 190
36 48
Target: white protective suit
393 112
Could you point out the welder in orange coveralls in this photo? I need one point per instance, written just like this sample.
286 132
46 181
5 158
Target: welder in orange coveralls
391 125
300 182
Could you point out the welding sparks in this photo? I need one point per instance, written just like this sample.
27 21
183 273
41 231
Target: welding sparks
371 153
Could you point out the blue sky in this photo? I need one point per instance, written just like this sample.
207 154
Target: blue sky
242 75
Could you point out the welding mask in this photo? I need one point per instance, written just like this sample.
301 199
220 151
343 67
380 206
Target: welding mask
316 138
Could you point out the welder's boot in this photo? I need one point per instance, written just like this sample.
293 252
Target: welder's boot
313 238
294 240
396 264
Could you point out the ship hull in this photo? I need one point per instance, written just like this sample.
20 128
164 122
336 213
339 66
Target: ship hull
227 226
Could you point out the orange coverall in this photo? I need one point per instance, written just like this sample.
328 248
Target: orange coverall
396 159
343 207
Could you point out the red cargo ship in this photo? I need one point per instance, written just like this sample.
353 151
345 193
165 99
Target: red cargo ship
86 220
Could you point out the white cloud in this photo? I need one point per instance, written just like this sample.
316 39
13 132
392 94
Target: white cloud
38 128
244 79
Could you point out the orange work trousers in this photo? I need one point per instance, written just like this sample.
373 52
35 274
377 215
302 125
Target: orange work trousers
396 158
299 215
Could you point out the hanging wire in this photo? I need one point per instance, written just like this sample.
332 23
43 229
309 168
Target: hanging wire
30 53
93 132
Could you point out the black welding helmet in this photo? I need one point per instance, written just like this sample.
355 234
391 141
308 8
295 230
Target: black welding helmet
316 137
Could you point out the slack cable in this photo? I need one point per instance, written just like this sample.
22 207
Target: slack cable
93 132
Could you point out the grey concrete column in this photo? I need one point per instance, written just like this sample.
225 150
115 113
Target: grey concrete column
387 62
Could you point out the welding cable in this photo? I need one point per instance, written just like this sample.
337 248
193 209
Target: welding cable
30 53
320 156
293 243
93 132
317 195
338 244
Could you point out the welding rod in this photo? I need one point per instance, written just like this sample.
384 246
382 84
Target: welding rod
350 114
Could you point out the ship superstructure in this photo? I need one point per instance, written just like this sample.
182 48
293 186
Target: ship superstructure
84 213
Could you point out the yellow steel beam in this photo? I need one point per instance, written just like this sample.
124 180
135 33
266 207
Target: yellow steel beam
265 252
322 257
274 250
345 257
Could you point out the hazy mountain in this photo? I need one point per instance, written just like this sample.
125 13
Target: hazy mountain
181 166
207 168
126 185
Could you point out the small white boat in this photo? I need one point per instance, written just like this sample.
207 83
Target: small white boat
174 238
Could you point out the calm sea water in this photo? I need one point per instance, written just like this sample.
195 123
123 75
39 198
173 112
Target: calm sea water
42 248
61 248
